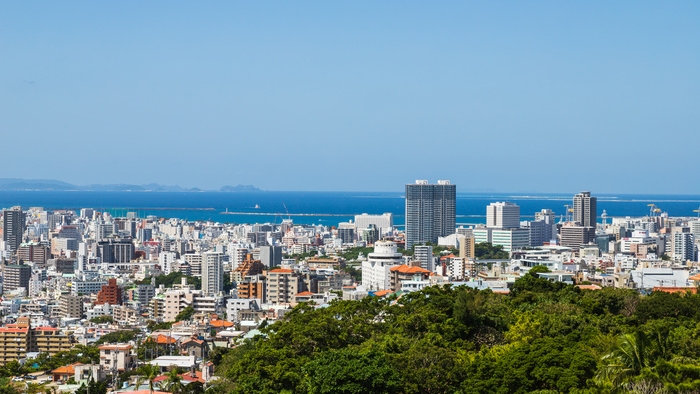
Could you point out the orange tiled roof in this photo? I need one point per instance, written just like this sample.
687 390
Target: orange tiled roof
409 269
220 323
66 369
282 271
382 293
13 329
164 339
695 277
304 294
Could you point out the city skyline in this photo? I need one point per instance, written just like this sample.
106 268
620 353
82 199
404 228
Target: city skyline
194 94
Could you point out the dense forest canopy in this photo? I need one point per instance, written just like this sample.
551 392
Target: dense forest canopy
542 337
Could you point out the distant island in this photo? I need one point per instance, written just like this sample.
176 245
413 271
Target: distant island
240 188
18 184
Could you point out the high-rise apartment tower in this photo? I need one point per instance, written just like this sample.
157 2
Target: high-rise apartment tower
585 209
13 227
430 211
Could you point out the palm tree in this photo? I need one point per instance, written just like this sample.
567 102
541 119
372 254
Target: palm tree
174 382
630 355
147 372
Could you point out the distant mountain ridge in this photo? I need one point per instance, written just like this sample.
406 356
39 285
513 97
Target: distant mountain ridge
17 184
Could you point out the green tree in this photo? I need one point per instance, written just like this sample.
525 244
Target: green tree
185 314
147 372
626 360
102 319
92 388
348 372
173 383
121 336
486 250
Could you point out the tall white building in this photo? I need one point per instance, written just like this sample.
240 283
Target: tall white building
695 228
502 215
375 270
384 222
166 260
683 246
424 254
212 273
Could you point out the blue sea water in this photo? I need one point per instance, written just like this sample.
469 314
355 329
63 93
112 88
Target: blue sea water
327 208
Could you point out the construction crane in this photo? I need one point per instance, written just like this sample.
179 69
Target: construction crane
698 211
652 209
569 210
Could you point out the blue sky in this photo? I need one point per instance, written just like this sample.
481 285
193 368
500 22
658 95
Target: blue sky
362 95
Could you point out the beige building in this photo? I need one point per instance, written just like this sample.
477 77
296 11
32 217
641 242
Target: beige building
283 285
16 340
177 300
467 247
117 357
71 306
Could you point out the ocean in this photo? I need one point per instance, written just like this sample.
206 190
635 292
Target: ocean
326 208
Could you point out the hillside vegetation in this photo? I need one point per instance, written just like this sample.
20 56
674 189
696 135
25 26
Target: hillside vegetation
543 337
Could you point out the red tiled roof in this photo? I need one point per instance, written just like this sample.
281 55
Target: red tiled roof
187 376
282 271
382 293
304 294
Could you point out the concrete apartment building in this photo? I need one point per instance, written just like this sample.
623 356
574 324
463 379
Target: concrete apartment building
253 287
111 293
16 276
177 300
283 285
34 252
71 306
430 211
117 357
502 215
13 226
384 222
16 340
212 273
